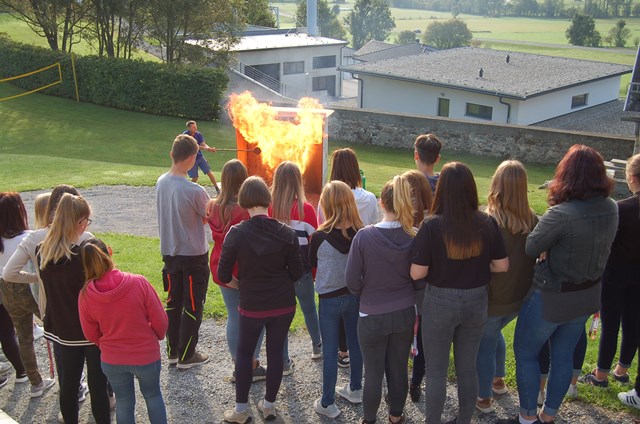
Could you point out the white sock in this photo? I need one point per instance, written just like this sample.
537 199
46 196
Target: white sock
267 404
241 407
525 421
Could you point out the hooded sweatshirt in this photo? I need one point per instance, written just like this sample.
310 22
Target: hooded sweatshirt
269 262
328 253
122 314
378 269
218 232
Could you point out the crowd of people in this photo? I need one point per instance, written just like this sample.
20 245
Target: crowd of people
400 279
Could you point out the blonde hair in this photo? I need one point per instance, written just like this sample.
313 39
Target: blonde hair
286 188
339 208
63 233
95 261
421 195
40 206
633 165
508 202
396 198
233 175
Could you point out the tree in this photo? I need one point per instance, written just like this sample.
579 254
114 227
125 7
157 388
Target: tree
257 12
173 22
406 37
117 25
328 22
619 34
582 31
369 20
51 19
448 35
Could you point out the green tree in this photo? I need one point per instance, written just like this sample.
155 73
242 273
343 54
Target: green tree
369 20
582 31
117 26
59 21
406 37
328 22
447 35
257 12
619 34
173 22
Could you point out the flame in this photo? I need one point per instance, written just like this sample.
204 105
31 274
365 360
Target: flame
278 139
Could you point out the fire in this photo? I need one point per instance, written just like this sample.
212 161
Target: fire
292 139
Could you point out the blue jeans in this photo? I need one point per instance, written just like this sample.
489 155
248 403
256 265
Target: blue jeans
331 310
532 332
492 353
307 300
231 298
122 381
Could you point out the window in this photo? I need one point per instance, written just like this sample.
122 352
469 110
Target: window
289 68
327 83
479 111
443 107
324 62
579 100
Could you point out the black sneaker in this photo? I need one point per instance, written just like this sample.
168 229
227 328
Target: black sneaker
343 361
592 380
415 390
624 378
513 420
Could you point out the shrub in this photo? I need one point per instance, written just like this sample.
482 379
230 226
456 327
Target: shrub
176 90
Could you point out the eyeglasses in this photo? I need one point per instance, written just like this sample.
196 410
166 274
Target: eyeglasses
89 221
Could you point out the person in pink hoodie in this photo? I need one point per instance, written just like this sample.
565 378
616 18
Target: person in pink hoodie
128 340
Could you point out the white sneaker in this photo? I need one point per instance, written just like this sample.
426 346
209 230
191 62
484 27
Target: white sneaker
541 395
354 396
4 367
572 393
38 332
37 391
630 398
317 352
288 367
267 413
82 392
330 411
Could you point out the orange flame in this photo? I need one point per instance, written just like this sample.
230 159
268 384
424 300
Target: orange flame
279 139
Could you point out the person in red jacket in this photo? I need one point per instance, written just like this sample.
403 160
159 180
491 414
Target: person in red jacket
128 340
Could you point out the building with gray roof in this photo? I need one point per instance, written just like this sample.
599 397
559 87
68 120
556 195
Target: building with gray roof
485 84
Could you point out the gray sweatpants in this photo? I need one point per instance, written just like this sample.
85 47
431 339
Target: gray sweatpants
452 316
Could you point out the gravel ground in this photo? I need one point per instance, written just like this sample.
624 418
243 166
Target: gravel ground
201 395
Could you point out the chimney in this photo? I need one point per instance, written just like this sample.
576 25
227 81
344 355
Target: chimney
312 17
480 72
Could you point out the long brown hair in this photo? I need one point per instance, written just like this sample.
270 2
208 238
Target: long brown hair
339 208
287 187
396 198
96 260
456 201
56 195
64 229
13 216
508 202
233 175
421 195
345 168
580 175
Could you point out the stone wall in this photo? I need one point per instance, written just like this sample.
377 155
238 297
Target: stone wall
529 144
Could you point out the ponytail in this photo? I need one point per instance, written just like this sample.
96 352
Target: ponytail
96 260
396 198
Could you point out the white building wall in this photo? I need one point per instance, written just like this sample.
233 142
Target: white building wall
298 85
558 103
389 95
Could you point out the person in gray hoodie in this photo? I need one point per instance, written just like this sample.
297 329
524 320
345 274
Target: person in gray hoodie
378 271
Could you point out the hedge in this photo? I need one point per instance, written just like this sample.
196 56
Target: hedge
175 90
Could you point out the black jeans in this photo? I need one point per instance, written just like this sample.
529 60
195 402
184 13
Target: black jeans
9 342
72 360
619 306
276 330
186 278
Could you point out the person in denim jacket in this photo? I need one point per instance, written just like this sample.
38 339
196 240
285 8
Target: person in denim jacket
574 237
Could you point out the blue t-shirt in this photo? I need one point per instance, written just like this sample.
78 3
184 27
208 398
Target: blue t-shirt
199 138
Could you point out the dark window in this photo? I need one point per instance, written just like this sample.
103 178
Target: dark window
324 62
479 111
324 83
289 68
443 107
580 100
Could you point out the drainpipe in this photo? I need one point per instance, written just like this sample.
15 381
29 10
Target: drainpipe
361 86
508 107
